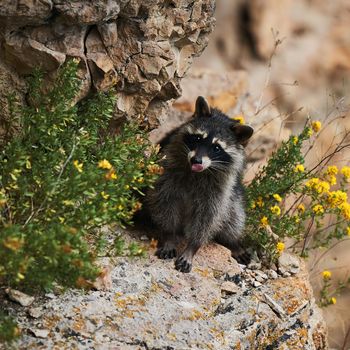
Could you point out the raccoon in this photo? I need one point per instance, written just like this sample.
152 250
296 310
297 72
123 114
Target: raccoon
200 197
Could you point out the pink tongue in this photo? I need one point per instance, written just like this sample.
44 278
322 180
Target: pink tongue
197 167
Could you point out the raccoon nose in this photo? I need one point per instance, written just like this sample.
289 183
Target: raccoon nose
196 160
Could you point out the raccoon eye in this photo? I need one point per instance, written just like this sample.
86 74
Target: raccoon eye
217 148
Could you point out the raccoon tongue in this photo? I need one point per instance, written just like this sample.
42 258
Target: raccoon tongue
197 168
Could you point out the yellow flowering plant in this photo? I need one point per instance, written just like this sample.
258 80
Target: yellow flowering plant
61 180
315 196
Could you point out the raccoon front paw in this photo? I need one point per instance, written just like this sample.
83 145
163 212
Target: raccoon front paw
182 264
165 253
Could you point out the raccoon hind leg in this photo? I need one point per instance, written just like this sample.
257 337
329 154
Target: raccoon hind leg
238 252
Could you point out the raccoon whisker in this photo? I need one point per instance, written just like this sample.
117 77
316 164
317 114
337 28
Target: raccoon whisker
218 169
219 162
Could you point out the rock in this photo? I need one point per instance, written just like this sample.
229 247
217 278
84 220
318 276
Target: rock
272 274
153 304
141 49
50 295
260 276
261 14
19 297
87 12
288 264
274 305
35 312
257 284
40 333
229 287
254 265
16 13
222 90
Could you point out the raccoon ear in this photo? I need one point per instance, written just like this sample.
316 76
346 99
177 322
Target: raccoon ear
202 107
243 133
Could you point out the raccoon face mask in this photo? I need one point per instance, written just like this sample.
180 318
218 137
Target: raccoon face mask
212 140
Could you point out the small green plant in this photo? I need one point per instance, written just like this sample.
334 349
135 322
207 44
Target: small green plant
286 200
329 291
61 179
9 331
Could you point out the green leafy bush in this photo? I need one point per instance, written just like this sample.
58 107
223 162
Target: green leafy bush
63 177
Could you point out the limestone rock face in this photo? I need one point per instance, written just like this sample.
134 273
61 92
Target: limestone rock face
140 48
219 305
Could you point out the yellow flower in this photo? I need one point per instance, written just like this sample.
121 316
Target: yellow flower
280 247
318 209
78 166
296 219
309 132
336 198
345 170
253 205
301 208
126 187
104 164
332 180
326 274
13 243
277 197
295 140
348 230
345 210
312 182
316 125
317 185
323 187
299 168
259 202
111 175
20 276
264 221
333 300
239 118
104 195
332 170
275 210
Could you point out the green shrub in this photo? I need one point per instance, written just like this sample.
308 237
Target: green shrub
286 200
61 178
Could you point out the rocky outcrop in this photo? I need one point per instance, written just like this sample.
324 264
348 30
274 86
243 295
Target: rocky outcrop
219 305
142 49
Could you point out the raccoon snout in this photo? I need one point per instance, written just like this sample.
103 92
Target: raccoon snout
196 160
196 164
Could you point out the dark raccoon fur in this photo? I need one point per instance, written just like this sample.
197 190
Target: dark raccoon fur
200 197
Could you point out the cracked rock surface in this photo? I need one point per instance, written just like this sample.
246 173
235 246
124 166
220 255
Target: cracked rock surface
140 48
150 305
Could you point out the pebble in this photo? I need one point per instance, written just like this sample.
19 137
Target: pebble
254 265
229 287
257 284
40 333
272 274
19 297
50 295
35 312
